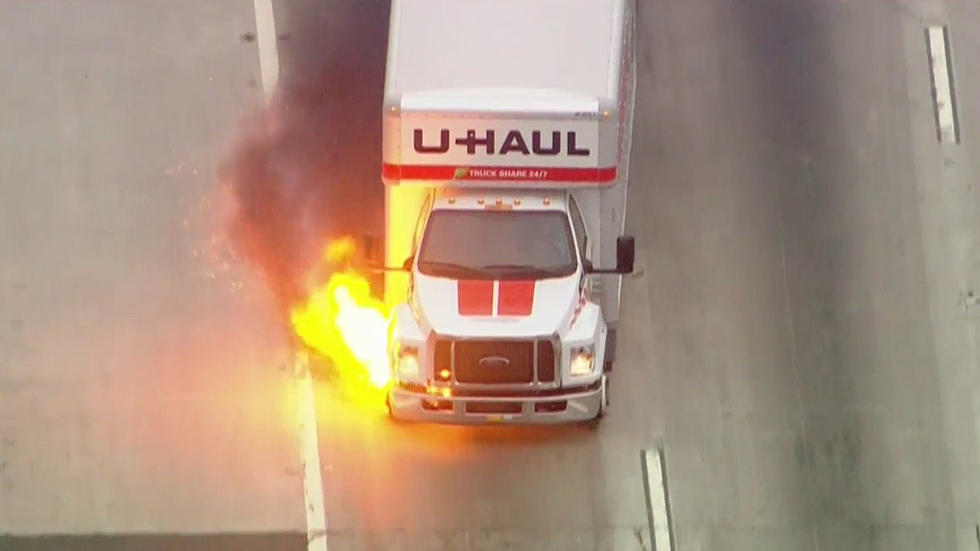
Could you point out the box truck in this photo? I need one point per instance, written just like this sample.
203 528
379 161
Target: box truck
506 130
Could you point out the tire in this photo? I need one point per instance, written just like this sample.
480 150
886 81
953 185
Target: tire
605 401
594 423
391 414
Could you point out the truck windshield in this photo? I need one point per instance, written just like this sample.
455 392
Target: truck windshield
497 245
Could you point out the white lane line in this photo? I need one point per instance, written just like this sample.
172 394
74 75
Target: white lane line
316 516
309 449
265 34
943 94
658 504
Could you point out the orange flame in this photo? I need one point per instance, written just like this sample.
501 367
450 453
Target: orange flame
342 321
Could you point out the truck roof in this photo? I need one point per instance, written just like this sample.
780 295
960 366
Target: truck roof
572 46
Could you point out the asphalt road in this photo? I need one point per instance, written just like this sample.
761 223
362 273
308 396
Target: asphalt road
777 342
144 381
797 336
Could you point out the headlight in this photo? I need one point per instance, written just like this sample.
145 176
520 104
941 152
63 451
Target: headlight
408 361
583 360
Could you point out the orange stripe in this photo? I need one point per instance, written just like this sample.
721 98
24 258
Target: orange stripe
474 297
516 298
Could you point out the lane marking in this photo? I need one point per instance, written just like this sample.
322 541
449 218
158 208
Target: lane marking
316 516
658 502
309 448
943 93
265 33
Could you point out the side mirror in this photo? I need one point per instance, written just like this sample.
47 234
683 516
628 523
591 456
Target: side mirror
406 266
625 254
373 248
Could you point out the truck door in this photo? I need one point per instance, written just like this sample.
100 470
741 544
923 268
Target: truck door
417 238
589 285
420 224
581 231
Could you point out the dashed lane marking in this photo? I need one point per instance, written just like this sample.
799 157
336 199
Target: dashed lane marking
658 501
265 31
943 93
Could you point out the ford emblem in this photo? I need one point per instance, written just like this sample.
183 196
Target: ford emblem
494 362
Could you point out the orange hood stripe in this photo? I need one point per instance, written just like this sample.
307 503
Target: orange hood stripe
474 297
513 298
516 298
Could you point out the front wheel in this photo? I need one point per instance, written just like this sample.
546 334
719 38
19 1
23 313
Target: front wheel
603 405
391 414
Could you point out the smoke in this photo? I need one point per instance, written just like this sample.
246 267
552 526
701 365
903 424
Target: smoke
307 167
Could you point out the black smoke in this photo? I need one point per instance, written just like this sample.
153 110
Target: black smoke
307 167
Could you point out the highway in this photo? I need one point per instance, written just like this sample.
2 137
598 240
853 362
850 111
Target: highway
799 337
145 386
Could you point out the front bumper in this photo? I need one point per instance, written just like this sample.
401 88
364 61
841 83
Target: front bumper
577 405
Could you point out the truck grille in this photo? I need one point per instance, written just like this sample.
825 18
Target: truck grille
496 361
546 362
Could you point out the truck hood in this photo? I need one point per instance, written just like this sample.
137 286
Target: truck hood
487 308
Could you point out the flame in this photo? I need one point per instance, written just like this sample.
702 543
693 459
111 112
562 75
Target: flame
342 321
339 250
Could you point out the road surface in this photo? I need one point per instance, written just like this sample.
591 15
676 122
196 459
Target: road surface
144 381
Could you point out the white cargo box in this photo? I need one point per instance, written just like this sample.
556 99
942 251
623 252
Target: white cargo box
504 92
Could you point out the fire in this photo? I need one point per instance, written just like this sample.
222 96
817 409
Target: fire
342 321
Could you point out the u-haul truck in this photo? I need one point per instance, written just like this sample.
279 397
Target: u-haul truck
507 129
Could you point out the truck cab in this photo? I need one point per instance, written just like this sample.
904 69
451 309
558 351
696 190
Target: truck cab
505 196
500 324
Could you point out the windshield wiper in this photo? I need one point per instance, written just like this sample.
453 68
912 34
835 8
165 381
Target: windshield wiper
455 269
531 270
509 267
